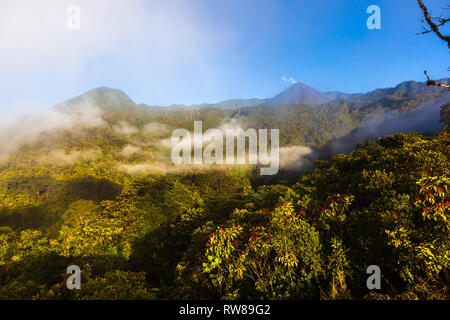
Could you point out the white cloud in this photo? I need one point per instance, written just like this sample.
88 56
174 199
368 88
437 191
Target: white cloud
156 129
16 133
34 34
62 157
297 158
290 79
124 128
233 124
116 40
130 150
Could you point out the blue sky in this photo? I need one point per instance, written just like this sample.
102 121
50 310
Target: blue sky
168 52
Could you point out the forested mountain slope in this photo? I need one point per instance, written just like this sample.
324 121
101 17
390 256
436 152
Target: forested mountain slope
92 184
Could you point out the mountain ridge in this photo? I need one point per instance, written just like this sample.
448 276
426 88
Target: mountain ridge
298 93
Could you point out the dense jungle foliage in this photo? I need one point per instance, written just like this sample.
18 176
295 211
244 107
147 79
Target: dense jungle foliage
103 197
207 235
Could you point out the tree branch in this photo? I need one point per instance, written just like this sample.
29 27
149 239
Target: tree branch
434 27
441 21
435 83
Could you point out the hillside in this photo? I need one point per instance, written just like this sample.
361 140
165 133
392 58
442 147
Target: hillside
91 183
107 123
161 236
301 122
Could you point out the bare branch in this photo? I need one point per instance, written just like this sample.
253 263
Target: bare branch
431 82
440 22
434 27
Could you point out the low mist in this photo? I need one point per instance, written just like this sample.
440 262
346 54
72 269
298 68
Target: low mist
16 133
422 119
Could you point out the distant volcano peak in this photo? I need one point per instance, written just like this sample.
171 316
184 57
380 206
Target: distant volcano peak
300 93
102 97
